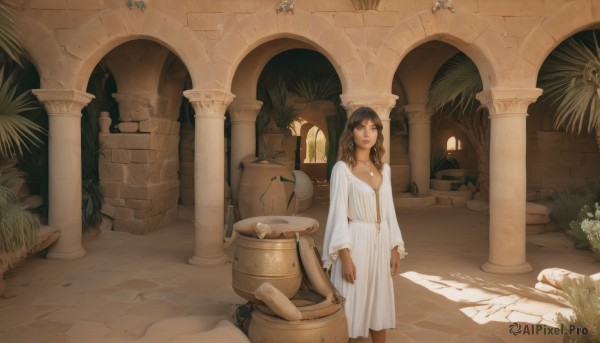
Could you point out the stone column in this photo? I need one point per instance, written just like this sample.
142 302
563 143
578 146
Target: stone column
209 183
380 103
64 168
508 143
243 137
419 144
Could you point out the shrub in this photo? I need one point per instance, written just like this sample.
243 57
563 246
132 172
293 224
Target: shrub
567 205
584 296
18 227
590 226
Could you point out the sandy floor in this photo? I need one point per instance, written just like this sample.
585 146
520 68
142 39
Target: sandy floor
128 286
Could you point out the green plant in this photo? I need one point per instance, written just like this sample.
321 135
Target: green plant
441 159
570 78
452 95
16 131
584 296
18 227
9 44
280 108
567 204
92 198
586 229
575 230
318 88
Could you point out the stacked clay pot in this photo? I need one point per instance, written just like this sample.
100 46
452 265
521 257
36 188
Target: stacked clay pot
266 270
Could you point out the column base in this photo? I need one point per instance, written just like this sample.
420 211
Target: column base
490 267
209 261
65 255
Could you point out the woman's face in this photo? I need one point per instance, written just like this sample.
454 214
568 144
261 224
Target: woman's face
365 135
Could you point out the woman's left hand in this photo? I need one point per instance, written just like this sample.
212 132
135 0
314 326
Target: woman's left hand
395 262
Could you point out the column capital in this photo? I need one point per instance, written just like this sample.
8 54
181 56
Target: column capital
508 102
417 114
244 110
63 102
380 103
209 103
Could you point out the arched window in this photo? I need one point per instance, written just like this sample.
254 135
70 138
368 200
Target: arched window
315 146
453 144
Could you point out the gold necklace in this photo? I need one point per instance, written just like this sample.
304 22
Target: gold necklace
377 204
369 169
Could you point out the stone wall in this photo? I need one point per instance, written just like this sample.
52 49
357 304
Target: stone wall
557 160
138 173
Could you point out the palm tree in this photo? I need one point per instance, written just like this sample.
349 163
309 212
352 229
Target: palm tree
16 131
452 95
18 228
570 78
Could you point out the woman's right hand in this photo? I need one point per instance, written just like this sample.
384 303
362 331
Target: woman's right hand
348 269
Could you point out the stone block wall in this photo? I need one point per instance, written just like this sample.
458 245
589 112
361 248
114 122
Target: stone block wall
138 174
559 161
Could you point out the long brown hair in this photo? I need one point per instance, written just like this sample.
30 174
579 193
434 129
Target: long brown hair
347 150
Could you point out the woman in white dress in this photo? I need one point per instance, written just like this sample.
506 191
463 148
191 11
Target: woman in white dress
363 244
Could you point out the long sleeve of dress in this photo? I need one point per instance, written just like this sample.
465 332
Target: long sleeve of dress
395 234
337 235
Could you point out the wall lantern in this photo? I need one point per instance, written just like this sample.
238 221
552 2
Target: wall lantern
284 6
139 4
443 5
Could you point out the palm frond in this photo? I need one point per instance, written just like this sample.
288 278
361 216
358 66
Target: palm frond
8 38
16 131
318 88
570 78
281 110
454 87
18 227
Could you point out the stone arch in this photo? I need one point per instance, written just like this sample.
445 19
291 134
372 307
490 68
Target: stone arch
249 69
548 34
261 27
108 30
462 29
41 48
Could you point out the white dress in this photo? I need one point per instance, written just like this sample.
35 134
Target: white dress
352 224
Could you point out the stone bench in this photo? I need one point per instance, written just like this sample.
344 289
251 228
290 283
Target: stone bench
537 216
46 236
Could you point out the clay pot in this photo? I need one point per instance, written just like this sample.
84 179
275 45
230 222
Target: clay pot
265 328
304 190
258 260
266 189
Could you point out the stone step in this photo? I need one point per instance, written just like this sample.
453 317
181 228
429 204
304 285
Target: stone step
407 200
452 198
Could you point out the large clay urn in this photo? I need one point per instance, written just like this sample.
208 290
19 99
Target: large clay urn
265 328
258 260
266 189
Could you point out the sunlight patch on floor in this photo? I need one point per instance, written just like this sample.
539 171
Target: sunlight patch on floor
486 302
